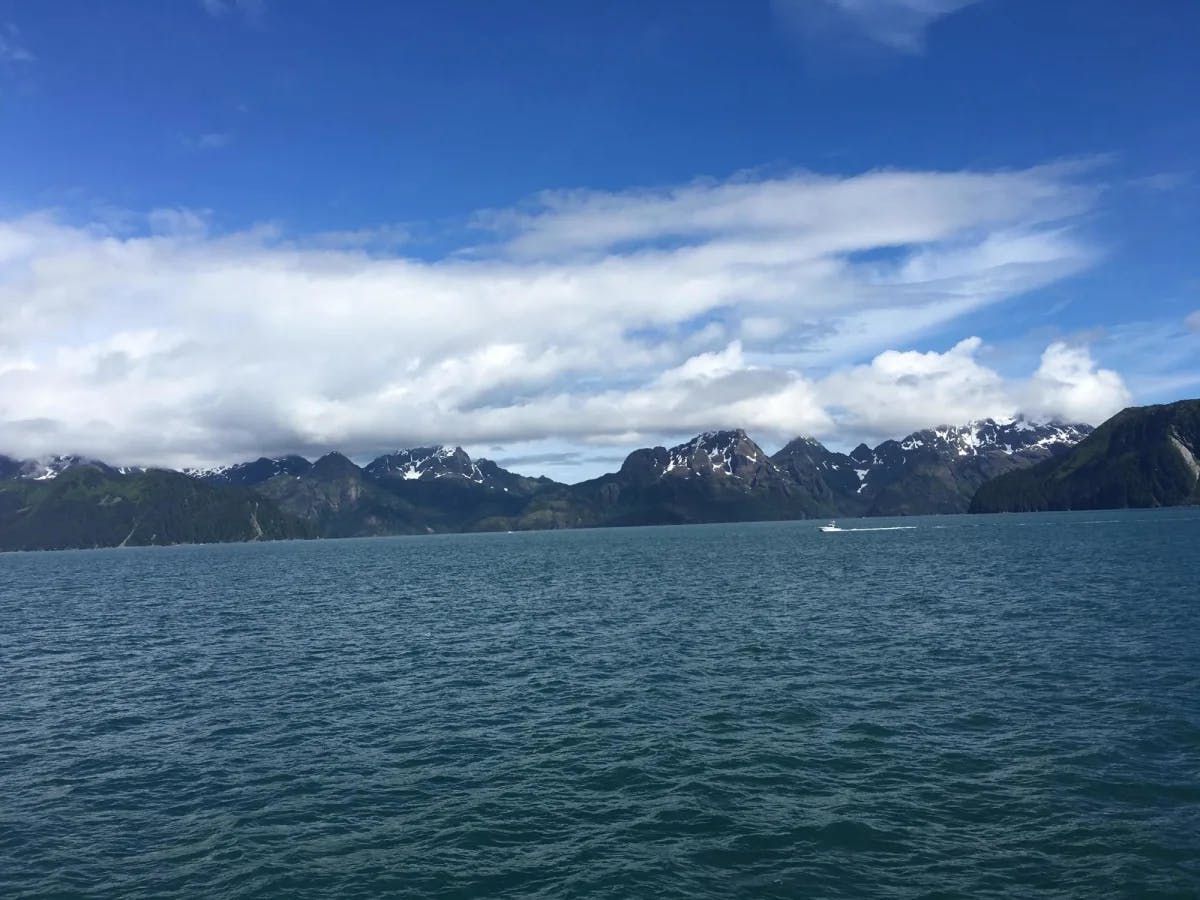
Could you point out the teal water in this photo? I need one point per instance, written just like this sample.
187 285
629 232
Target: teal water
978 707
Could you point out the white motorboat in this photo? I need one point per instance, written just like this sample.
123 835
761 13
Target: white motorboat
832 526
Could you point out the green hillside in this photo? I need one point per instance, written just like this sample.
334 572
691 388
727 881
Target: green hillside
1141 457
94 506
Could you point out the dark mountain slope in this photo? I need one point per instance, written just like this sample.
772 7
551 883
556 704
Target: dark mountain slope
249 474
719 476
423 465
407 492
336 498
938 470
1141 457
95 506
831 479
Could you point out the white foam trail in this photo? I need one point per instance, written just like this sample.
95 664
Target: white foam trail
881 528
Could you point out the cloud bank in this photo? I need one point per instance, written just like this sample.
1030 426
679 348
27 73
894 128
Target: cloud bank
584 318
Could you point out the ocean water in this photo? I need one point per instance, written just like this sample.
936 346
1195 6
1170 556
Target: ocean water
977 707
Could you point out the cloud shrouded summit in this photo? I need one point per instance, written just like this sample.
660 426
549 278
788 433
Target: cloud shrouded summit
586 318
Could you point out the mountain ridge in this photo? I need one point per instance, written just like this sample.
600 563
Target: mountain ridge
716 476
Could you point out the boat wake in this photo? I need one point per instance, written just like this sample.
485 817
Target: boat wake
879 528
833 526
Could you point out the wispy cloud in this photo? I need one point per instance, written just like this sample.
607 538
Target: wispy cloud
213 140
899 25
12 49
220 8
589 318
1164 182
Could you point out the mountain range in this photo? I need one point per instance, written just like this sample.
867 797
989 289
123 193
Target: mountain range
1141 457
718 476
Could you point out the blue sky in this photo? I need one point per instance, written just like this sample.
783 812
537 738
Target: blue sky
552 232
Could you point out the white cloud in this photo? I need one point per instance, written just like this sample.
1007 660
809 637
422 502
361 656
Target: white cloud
900 392
592 319
799 214
1192 322
1068 386
899 25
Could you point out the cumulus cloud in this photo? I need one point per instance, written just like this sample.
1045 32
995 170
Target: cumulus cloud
1068 386
587 318
899 25
900 392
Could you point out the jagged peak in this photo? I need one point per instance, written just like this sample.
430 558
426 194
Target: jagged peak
1007 435
718 452
424 463
334 460
804 442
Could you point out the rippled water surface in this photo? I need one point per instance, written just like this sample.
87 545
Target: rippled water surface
1005 707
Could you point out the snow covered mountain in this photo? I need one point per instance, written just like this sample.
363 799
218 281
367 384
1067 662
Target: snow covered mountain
248 474
938 470
988 435
717 476
426 463
713 454
47 468
421 465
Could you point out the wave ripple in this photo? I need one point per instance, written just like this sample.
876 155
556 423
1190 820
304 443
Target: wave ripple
979 709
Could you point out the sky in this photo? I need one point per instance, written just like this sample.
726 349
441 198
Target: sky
554 232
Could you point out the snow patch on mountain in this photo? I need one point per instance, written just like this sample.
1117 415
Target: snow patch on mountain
427 463
724 452
987 435
48 468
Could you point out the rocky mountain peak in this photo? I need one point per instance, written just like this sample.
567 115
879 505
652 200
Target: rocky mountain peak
862 455
991 435
251 473
425 463
333 465
712 454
